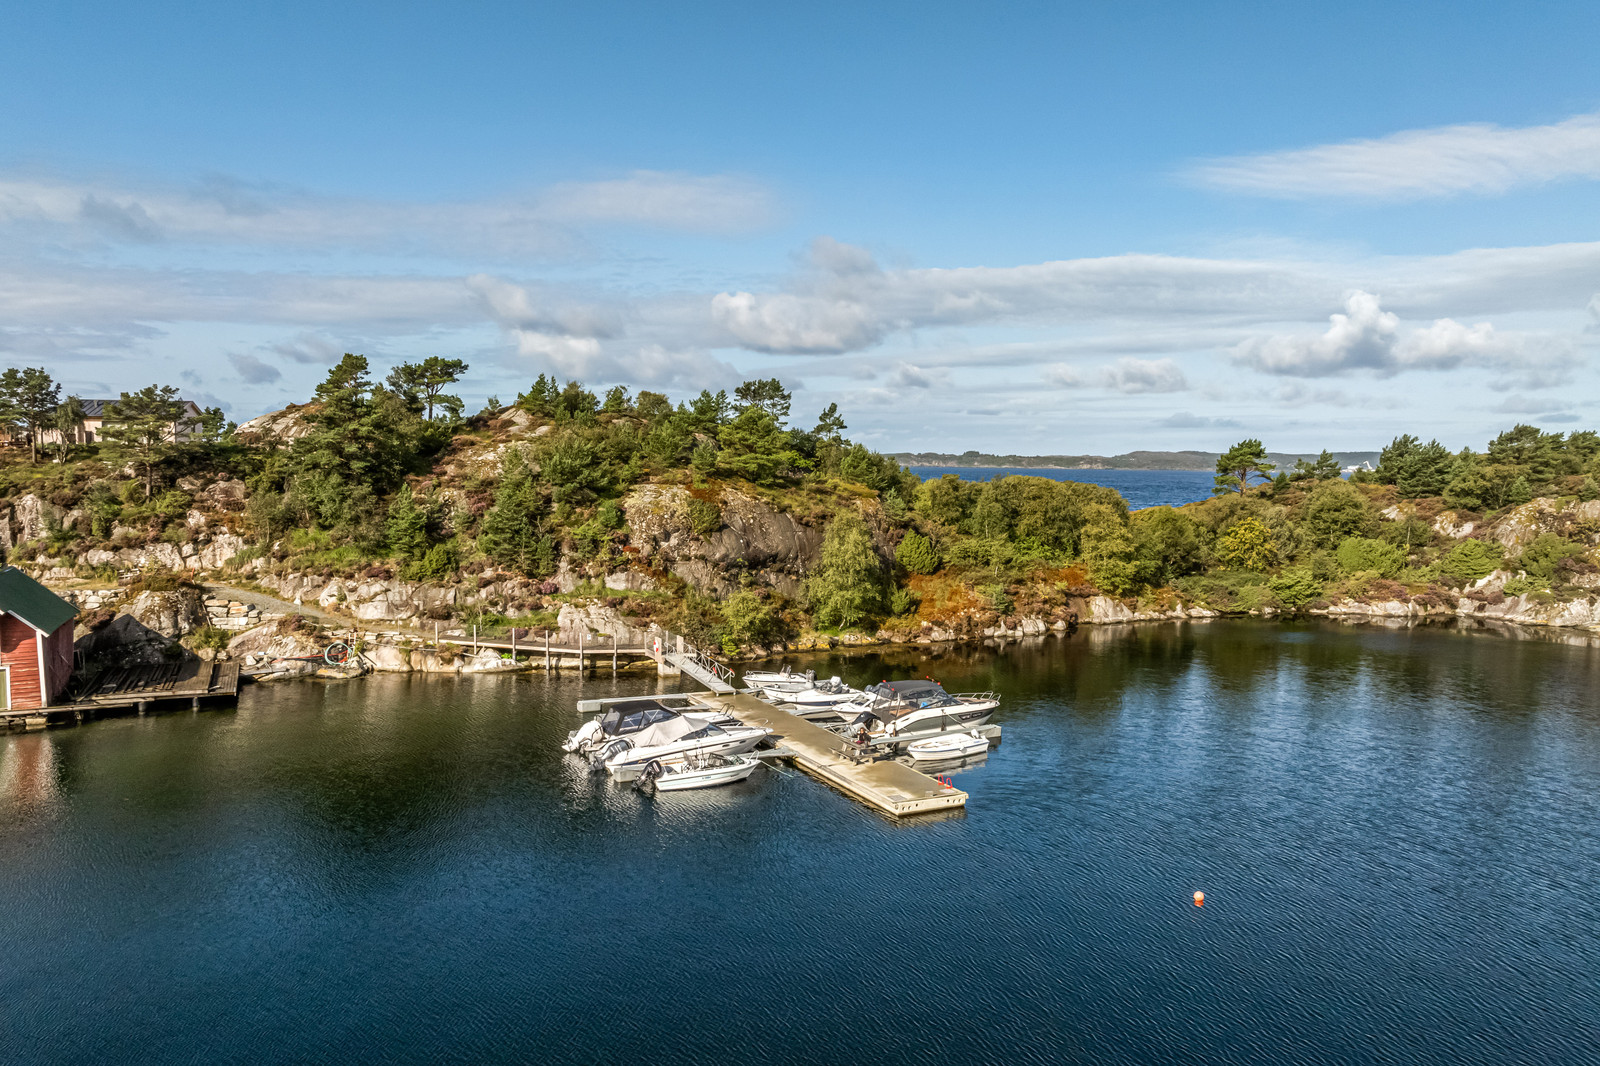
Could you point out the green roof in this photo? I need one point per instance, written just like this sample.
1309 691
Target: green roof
30 601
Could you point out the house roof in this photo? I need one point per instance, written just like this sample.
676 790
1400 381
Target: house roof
97 408
30 601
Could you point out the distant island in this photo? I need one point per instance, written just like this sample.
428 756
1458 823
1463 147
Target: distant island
1141 460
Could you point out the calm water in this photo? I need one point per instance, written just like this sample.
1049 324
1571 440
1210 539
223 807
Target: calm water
1141 488
1398 834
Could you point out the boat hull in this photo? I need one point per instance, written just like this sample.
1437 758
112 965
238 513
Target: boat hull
711 777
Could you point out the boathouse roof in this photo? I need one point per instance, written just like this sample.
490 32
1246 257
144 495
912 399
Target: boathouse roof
30 601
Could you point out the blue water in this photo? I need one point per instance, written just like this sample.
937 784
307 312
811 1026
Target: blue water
1398 832
1141 488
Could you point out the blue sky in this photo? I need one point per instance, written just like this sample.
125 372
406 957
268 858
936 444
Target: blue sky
1031 228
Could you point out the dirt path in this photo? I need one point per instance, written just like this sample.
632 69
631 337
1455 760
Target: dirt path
273 605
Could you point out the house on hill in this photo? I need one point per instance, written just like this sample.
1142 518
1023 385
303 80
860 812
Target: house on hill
96 414
35 641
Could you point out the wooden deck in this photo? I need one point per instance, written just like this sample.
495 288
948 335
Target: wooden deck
885 785
142 687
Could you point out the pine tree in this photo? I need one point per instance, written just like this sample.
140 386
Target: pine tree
142 426
1239 464
510 532
406 529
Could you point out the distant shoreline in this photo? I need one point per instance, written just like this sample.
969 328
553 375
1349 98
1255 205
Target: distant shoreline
1186 461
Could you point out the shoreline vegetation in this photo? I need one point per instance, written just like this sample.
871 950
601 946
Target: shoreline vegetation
723 519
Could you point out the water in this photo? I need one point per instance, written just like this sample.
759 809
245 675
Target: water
1141 488
1396 832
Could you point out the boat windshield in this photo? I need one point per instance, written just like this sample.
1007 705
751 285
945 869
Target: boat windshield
913 694
622 719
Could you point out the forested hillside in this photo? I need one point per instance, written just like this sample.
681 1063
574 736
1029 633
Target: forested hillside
734 521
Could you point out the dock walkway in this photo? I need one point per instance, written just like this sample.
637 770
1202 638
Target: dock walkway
888 786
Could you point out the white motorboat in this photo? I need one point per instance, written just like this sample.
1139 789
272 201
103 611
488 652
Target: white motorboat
757 678
899 708
625 717
704 771
829 693
948 746
675 738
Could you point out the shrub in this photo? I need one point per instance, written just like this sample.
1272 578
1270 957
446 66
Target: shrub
1471 560
705 517
917 554
1296 587
750 618
210 637
441 563
1519 586
1356 554
1547 555
903 602
1337 510
1247 545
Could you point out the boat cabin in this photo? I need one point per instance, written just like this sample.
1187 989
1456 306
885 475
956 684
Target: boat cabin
35 642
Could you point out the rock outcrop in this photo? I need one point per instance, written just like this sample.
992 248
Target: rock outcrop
752 538
172 614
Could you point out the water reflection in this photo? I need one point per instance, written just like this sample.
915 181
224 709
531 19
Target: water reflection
1396 829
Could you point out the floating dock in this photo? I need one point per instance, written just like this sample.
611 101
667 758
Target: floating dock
884 784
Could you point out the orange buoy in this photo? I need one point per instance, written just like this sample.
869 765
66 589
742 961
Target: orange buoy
1199 899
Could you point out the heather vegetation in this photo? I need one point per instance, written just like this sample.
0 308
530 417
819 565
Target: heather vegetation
392 480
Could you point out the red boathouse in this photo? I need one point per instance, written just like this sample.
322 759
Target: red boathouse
35 641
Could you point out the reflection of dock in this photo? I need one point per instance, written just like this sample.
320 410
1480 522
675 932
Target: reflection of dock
884 784
139 687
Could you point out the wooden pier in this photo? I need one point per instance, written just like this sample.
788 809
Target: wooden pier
883 784
139 687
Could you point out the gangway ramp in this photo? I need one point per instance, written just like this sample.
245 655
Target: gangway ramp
704 669
884 784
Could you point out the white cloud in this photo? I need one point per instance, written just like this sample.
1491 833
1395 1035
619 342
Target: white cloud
253 370
1144 375
310 349
1366 337
1189 420
221 211
784 322
909 376
1414 164
1126 375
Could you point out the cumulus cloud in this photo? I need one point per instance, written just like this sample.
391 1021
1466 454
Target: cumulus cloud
592 341
1414 164
253 370
1366 337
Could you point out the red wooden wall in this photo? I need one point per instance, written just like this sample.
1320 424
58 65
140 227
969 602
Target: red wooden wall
21 654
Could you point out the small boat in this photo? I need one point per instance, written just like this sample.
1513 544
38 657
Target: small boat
949 746
705 771
816 694
904 708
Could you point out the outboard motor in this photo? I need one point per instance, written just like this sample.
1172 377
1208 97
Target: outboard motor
583 736
597 762
647 777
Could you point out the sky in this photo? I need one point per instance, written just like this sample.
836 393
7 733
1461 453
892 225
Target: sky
1029 228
